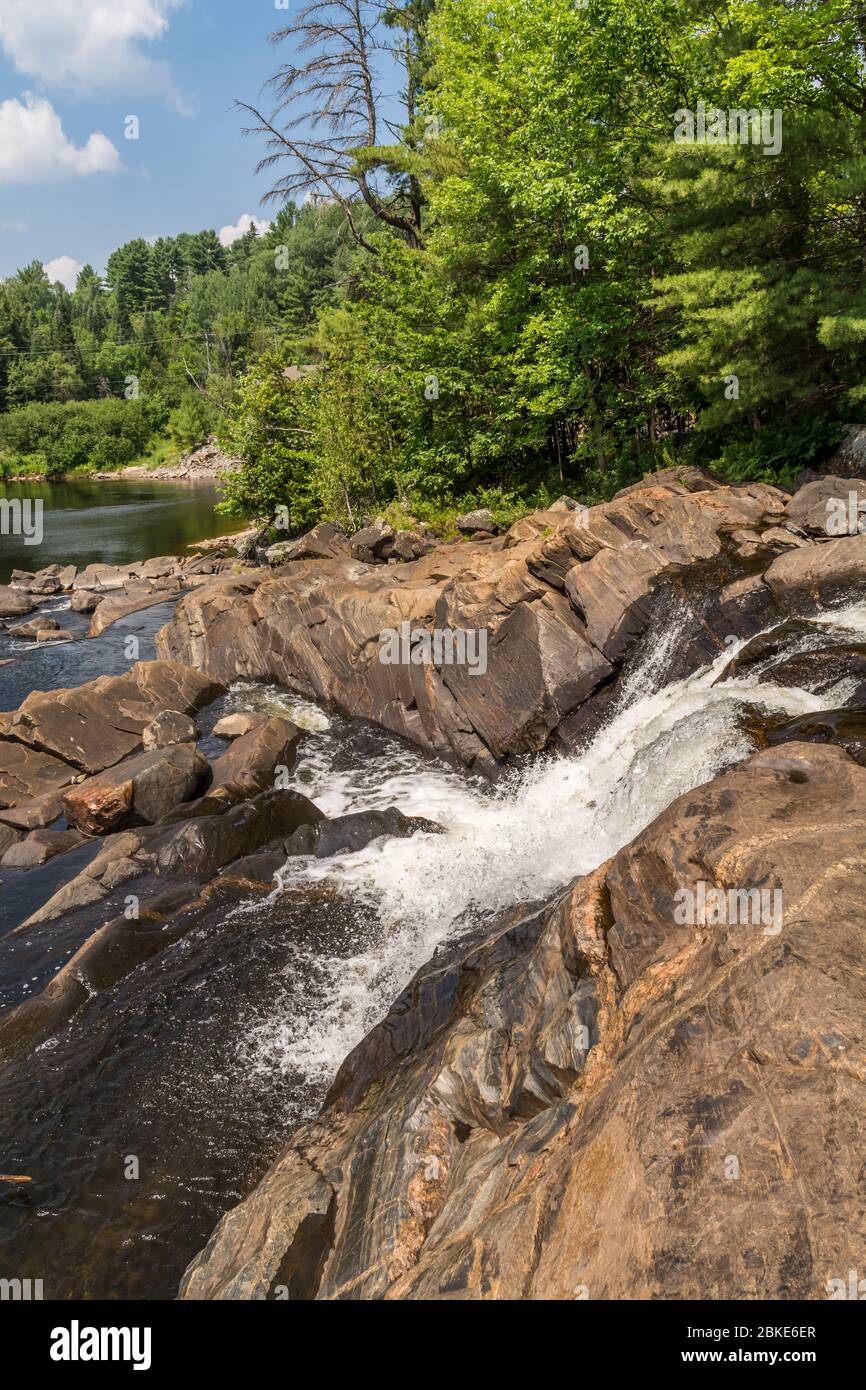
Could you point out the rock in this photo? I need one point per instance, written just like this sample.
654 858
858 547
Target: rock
849 461
564 504
97 724
8 837
40 628
170 726
561 602
103 577
410 545
131 599
481 520
347 834
827 504
533 1105
373 542
818 573
26 773
14 603
236 725
203 846
143 788
326 541
85 600
36 813
845 728
677 480
38 847
250 763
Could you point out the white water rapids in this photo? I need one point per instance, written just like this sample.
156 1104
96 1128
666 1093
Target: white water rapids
532 834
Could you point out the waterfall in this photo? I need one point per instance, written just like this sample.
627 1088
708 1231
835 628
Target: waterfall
531 835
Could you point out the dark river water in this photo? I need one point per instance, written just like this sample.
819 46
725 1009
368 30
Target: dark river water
111 522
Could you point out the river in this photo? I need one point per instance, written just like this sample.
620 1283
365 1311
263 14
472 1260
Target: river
114 522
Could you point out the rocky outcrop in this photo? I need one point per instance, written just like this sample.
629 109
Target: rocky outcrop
54 736
606 1097
554 608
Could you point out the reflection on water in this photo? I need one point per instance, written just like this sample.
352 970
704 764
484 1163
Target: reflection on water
113 523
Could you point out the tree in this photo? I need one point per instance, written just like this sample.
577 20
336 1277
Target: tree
328 121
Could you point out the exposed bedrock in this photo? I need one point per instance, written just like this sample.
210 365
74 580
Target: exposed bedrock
563 600
606 1097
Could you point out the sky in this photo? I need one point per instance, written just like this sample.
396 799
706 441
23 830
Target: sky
78 76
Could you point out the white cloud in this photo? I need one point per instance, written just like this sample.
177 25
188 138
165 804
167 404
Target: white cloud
35 149
86 45
64 269
229 234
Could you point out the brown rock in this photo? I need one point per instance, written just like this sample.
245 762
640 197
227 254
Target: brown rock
169 727
235 725
38 847
14 602
251 762
131 599
817 506
97 724
143 788
26 774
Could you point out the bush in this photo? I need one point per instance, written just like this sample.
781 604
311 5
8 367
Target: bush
76 435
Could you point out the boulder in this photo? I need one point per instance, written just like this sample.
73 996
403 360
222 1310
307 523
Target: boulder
14 603
35 813
820 505
346 834
235 725
85 600
169 727
131 599
39 629
96 725
481 520
820 573
25 773
326 541
251 762
849 460
372 543
605 1098
38 847
143 788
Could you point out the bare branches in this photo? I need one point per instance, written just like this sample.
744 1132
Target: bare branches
324 130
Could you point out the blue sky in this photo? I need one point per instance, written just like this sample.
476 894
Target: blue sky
72 71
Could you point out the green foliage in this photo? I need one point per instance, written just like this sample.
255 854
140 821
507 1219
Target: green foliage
267 426
192 421
92 435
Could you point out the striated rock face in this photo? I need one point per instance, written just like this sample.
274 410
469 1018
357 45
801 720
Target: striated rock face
560 602
601 1098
